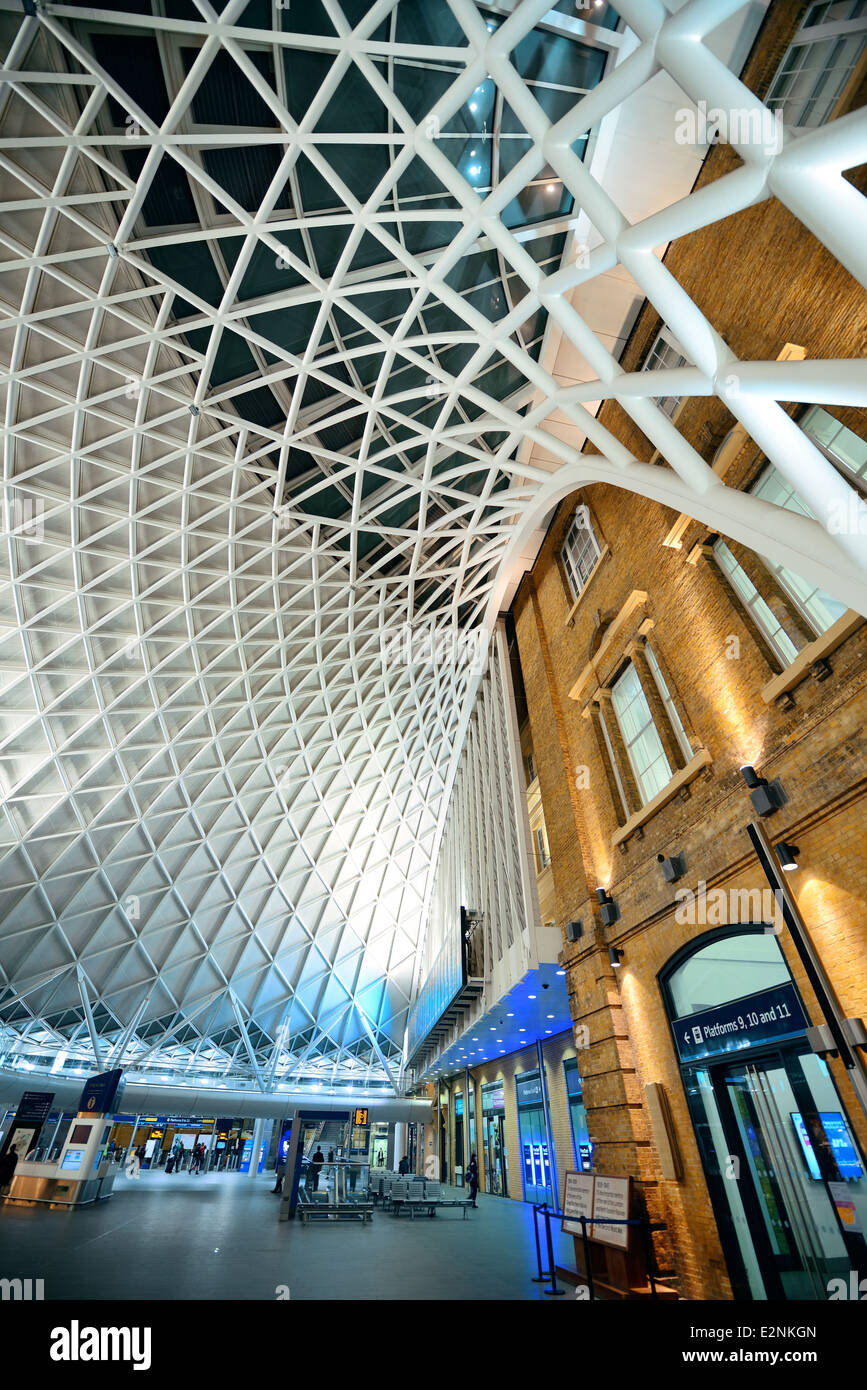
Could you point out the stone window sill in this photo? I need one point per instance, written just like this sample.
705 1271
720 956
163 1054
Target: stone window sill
809 655
570 616
681 778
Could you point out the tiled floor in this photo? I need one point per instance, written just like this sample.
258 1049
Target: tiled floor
217 1236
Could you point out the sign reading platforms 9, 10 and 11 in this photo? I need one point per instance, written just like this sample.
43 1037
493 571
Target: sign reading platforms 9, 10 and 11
769 1016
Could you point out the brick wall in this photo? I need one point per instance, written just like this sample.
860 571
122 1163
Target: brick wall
762 280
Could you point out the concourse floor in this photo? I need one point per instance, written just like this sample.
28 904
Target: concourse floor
217 1237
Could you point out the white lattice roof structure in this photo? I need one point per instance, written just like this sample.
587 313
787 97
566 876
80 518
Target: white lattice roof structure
275 288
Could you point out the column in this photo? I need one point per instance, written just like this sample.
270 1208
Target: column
258 1130
399 1143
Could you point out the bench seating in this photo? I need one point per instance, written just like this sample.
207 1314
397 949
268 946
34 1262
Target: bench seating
313 1210
429 1201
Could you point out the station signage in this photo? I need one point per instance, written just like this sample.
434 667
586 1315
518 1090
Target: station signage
530 1091
362 1118
100 1092
769 1016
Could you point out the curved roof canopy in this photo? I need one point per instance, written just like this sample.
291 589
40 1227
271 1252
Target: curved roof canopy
277 288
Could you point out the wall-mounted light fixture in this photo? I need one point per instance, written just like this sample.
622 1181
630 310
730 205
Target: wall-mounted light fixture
609 909
673 868
574 930
615 955
787 855
766 796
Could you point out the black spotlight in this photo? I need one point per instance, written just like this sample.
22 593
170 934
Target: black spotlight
787 855
609 909
615 955
766 796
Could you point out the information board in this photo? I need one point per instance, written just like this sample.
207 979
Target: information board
596 1197
577 1201
611 1199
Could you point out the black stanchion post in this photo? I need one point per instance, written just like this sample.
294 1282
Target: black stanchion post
587 1265
554 1291
647 1238
542 1278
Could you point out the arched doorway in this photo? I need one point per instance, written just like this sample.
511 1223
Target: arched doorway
786 1177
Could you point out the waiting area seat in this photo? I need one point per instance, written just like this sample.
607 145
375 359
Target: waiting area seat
424 1196
314 1206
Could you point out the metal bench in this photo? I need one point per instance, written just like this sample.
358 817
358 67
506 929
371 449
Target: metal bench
428 1201
310 1209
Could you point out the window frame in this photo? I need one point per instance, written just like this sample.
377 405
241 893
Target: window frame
639 774
667 404
808 36
568 561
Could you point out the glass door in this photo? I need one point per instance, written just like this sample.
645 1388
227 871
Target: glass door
786 1177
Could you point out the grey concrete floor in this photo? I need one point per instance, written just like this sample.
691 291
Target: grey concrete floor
217 1237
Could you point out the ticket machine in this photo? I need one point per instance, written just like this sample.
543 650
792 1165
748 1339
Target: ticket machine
82 1174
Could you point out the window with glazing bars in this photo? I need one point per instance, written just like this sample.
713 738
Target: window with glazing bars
644 748
819 62
580 551
666 353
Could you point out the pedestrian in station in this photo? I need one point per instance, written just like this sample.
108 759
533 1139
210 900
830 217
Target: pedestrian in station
403 1166
473 1177
316 1163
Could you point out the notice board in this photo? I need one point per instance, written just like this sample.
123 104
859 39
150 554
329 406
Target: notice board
595 1196
577 1201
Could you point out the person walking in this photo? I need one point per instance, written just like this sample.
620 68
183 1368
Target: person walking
403 1166
133 1164
316 1166
279 1173
473 1177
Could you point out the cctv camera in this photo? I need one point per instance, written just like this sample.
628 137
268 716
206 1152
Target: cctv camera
545 986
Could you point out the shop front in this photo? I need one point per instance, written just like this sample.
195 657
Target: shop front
784 1170
494 1139
533 1134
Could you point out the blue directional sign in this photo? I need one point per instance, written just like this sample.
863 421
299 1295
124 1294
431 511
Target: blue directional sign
769 1016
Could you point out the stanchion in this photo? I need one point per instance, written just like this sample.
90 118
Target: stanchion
542 1278
588 1271
553 1291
